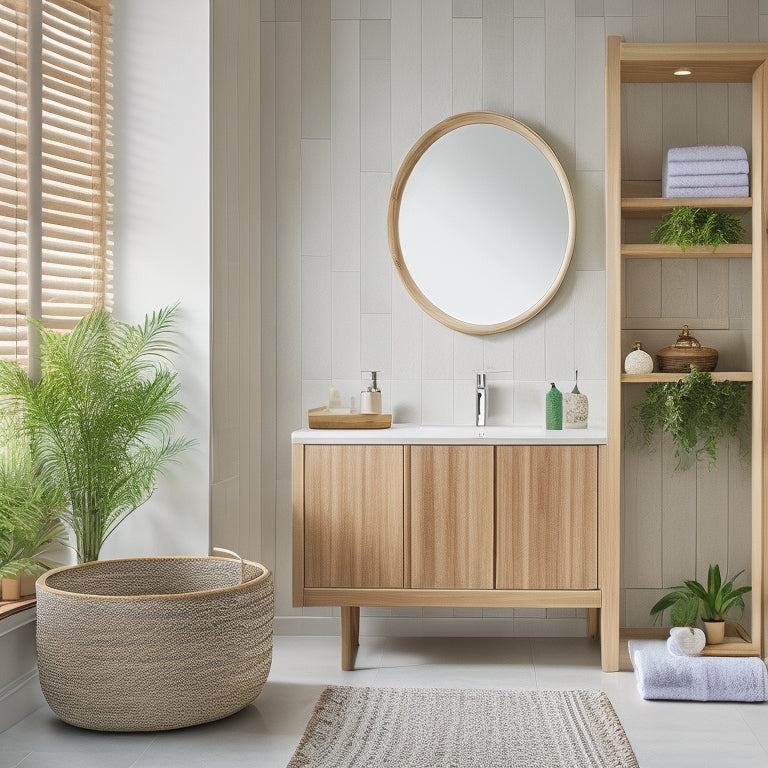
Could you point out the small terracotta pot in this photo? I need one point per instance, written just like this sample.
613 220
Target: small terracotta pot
11 589
715 632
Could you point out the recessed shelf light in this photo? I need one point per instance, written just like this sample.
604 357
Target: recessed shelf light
682 72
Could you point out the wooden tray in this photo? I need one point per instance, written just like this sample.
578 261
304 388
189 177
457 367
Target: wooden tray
319 418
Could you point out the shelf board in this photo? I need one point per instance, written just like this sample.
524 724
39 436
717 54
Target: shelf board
7 607
653 378
656 251
652 207
737 642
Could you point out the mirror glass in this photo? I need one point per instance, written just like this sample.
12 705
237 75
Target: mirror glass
481 222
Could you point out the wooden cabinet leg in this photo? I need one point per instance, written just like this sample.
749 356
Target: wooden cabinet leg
350 635
593 622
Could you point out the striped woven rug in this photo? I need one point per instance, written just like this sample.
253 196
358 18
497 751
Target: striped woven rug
353 727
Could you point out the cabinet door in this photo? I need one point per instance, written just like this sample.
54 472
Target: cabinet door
451 517
546 517
353 516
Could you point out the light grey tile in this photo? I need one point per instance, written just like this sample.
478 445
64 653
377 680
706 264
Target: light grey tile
316 69
529 8
589 325
589 104
498 56
406 77
712 113
648 22
437 352
436 102
679 115
316 303
644 135
375 116
560 81
267 10
763 28
529 72
375 260
590 8
376 345
501 401
680 20
529 350
711 7
499 354
345 9
712 524
406 401
375 9
467 356
529 403
464 402
620 25
346 325
467 9
407 333
711 29
315 197
467 88
712 299
375 39
436 402
559 316
743 18
345 144
288 10
588 197
739 289
679 282
618 7
740 115
644 298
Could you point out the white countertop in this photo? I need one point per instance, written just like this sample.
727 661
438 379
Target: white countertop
413 434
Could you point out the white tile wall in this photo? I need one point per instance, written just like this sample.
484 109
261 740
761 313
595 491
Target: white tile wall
347 87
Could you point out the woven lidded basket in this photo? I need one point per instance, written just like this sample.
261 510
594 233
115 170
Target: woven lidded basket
150 644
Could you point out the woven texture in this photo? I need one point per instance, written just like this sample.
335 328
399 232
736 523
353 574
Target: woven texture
427 728
153 643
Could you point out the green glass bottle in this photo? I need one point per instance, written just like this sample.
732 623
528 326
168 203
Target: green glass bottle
554 408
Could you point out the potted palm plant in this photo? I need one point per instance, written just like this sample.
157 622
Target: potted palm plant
101 420
712 601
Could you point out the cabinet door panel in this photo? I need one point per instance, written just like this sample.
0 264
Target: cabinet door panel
451 517
546 517
353 516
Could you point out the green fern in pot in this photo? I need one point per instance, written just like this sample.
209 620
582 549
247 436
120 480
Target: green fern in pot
101 420
686 227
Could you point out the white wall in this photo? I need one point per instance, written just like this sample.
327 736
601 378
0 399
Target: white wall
162 238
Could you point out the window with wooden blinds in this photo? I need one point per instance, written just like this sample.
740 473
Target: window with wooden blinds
68 220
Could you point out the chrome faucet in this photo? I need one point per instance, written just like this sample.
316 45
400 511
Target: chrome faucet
481 399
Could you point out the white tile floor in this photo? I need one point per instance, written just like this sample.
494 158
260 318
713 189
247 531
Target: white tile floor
663 734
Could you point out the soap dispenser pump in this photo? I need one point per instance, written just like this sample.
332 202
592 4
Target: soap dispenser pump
370 398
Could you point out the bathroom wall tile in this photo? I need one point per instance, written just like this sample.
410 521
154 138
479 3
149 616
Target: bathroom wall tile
375 9
743 21
349 392
345 144
560 81
590 8
288 10
467 356
499 354
712 524
644 134
315 197
739 115
498 613
467 9
559 345
739 511
712 275
436 402
464 402
315 393
680 21
595 390
316 69
376 344
376 269
534 8
406 77
467 77
763 28
530 613
711 29
711 7
468 613
589 328
638 606
407 333
561 613
316 303
739 292
618 7
498 56
649 21
345 9
436 101
644 300
407 613
375 39
529 403
679 279
529 351
375 611
588 188
712 113
529 72
376 152
501 401
620 25
678 115
763 6
437 613
346 325
437 350
589 102
406 401
267 10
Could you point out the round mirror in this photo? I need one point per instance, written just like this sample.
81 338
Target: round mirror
481 222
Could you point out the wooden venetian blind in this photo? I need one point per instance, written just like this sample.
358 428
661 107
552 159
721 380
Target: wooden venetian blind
73 164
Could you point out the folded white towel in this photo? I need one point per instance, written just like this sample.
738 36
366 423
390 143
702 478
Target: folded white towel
706 192
686 641
709 180
713 167
707 153
660 675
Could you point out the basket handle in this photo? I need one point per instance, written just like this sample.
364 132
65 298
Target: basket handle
237 557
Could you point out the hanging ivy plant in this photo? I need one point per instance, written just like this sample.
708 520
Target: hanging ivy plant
696 412
685 226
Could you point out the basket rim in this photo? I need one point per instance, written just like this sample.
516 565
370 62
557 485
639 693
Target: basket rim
41 583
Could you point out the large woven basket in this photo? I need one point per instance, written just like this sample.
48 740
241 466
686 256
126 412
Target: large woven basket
151 644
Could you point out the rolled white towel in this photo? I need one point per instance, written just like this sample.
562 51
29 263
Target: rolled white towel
709 180
705 152
686 641
698 167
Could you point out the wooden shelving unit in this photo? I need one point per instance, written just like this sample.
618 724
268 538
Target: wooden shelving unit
709 63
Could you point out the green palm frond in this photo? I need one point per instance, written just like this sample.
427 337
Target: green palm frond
101 420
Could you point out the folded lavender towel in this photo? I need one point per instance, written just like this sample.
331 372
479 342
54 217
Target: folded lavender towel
707 192
697 167
660 675
707 153
708 180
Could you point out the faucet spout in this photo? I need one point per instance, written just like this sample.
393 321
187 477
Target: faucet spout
481 399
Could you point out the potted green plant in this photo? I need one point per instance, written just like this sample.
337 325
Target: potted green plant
713 601
101 420
30 509
685 226
696 412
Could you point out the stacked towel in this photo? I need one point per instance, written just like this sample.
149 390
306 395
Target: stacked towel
662 675
705 172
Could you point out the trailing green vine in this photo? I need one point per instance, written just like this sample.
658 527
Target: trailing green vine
685 226
696 412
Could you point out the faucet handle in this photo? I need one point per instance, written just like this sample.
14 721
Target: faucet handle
480 379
